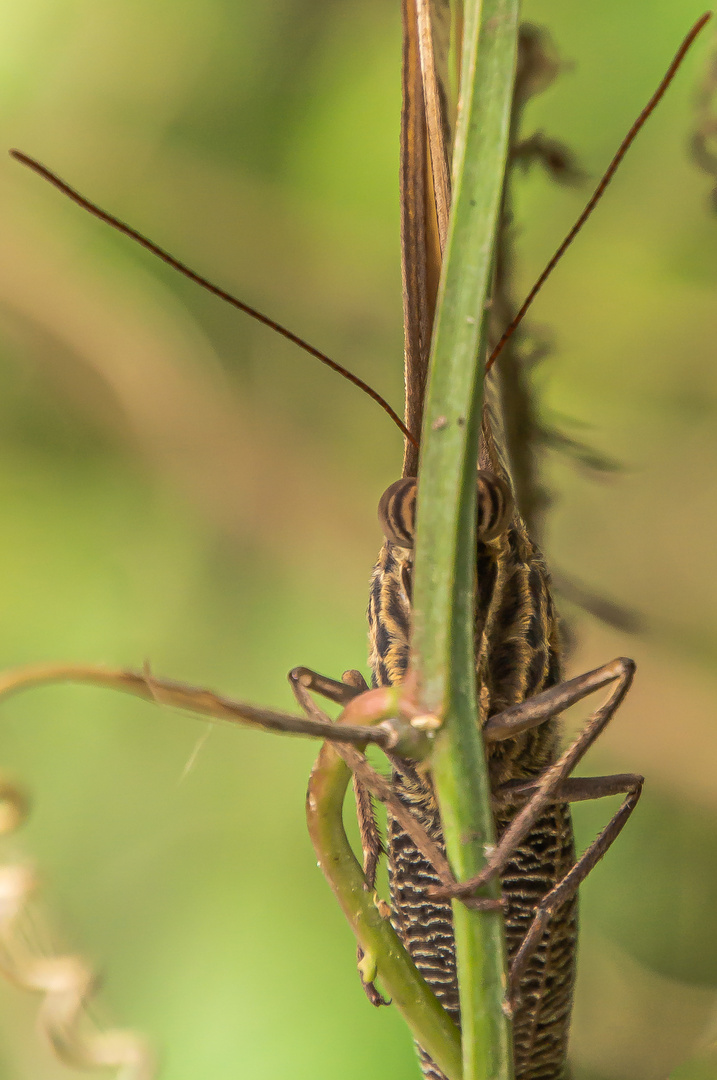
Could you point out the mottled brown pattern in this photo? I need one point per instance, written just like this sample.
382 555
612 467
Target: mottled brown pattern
517 655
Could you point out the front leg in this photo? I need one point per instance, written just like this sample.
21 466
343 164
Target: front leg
529 714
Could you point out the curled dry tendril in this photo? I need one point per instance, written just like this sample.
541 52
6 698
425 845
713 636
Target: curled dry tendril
65 983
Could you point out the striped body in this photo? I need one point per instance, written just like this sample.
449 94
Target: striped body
517 656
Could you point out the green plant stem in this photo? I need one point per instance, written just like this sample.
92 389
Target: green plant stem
430 1024
444 586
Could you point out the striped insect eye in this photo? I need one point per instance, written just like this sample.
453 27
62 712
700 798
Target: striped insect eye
494 508
397 509
397 512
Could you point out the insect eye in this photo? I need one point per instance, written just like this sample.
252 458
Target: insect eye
397 509
397 512
494 508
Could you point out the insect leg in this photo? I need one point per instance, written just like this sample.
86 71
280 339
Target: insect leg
340 692
593 787
527 715
376 785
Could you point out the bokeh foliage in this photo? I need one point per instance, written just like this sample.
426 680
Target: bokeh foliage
179 487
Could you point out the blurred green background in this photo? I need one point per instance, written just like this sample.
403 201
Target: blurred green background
179 486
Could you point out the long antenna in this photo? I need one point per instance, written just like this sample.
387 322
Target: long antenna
122 227
599 190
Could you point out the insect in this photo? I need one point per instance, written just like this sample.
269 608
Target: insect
521 693
402 579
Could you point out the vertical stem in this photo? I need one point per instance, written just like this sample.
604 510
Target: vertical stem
444 588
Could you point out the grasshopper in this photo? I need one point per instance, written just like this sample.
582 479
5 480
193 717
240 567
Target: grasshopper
519 670
518 662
